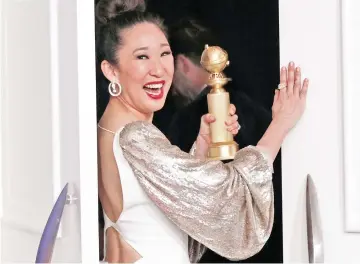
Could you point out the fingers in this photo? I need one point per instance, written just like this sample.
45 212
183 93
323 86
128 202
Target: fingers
232 109
283 82
208 118
235 129
232 120
297 83
283 76
291 78
276 96
232 124
304 89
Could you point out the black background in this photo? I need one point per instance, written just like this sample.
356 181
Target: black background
249 31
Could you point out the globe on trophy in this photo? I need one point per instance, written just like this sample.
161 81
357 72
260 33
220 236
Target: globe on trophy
223 147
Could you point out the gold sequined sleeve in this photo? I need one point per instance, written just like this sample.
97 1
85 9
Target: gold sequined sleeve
226 207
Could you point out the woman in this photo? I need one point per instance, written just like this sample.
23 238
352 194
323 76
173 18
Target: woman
155 197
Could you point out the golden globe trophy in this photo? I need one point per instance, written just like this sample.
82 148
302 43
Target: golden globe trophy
223 147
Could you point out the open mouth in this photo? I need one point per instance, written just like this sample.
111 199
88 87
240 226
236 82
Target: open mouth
155 89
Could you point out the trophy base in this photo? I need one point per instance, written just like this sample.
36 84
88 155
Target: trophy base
223 150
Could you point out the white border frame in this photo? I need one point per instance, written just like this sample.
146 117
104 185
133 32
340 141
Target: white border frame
351 109
87 131
1 119
55 103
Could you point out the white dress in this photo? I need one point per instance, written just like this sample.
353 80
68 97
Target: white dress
228 208
142 224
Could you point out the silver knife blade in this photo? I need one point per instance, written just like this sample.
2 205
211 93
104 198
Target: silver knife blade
313 221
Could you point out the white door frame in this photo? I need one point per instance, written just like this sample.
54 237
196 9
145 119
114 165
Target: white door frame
87 127
351 108
87 131
1 119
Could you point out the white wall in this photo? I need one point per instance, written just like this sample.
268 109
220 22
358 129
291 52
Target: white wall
26 128
351 94
310 34
48 127
40 126
1 68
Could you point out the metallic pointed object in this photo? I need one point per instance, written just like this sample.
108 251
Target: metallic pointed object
313 220
48 238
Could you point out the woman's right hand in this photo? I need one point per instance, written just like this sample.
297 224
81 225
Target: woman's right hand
289 102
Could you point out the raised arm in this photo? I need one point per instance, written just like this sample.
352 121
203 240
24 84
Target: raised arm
226 207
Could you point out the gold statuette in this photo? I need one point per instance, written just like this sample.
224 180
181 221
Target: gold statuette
223 147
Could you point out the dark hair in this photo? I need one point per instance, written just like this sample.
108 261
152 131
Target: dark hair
188 37
113 16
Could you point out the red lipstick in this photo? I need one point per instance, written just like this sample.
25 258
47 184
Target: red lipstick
155 90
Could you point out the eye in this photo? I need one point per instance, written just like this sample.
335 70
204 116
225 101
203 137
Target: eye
166 53
142 57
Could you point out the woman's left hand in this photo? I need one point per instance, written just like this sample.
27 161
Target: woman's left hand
203 140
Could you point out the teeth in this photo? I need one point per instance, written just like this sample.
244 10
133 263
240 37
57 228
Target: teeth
154 86
155 92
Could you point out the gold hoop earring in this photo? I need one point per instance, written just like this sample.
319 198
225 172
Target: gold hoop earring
113 90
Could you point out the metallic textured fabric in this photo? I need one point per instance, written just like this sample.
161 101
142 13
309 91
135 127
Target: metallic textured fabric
228 208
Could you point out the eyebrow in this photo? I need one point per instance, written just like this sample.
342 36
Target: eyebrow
146 48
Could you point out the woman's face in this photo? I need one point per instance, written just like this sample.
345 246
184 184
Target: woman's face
146 67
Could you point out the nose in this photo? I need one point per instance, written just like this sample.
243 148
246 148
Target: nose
157 68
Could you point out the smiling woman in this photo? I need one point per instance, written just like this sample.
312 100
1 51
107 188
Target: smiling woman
160 203
136 68
134 57
48 138
133 67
